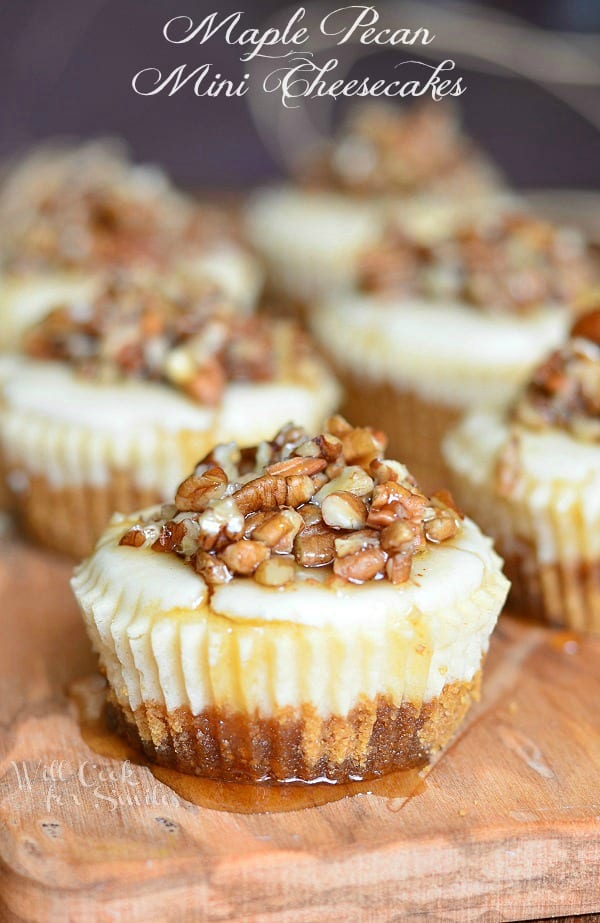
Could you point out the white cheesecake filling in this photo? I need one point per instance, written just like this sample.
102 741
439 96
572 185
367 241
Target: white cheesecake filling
451 353
555 501
311 241
72 431
162 639
27 299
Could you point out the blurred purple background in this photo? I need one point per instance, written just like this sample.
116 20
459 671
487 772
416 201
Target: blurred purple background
67 67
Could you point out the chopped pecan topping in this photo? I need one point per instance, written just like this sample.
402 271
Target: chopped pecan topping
514 263
275 572
88 207
243 557
368 519
564 391
384 149
134 537
196 491
183 333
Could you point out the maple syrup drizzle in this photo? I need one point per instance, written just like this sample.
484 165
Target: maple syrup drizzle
88 694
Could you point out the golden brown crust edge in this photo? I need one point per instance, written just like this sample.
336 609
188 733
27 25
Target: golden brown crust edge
415 427
71 519
376 737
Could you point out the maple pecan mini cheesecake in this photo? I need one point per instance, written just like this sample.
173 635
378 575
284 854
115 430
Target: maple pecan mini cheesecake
433 331
414 164
302 611
68 214
115 397
531 476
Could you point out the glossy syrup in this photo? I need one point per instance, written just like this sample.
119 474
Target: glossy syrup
88 694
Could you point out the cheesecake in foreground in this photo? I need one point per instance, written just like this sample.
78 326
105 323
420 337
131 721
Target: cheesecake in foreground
302 611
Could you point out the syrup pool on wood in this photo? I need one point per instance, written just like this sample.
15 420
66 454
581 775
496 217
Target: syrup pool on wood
88 694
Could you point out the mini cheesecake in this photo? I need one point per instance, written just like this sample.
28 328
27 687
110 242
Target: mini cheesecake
116 397
302 611
69 214
433 331
410 164
531 476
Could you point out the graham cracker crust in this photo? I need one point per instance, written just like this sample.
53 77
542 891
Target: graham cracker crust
563 595
374 738
415 426
6 500
71 519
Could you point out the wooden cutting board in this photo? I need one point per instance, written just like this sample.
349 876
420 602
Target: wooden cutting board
504 827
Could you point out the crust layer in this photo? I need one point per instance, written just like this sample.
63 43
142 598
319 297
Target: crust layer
374 738
70 519
545 546
415 426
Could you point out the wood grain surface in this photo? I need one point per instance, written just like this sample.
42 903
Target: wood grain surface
506 826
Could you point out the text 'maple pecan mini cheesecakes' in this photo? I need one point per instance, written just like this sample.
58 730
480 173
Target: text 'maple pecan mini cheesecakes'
116 397
411 162
69 213
302 611
433 331
531 476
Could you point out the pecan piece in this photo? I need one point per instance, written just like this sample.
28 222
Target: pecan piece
386 469
344 510
353 479
412 502
275 572
384 516
299 489
360 566
171 536
195 492
213 570
279 530
398 567
588 327
253 521
313 519
356 541
263 493
338 426
243 557
314 550
403 535
441 528
445 499
207 384
362 445
134 538
296 466
329 446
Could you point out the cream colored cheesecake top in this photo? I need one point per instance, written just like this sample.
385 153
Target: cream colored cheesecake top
164 635
322 587
313 565
443 576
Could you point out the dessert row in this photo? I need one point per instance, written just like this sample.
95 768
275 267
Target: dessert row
281 593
